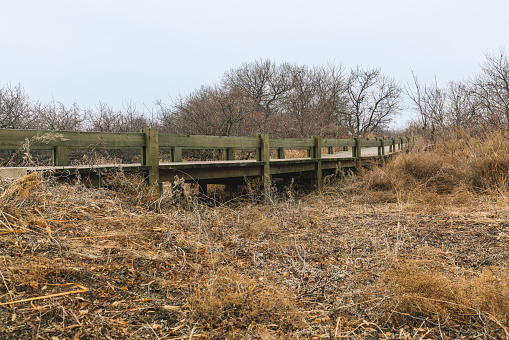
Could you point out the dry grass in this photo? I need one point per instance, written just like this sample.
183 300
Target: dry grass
416 250
466 165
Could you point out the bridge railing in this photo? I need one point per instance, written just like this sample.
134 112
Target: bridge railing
150 142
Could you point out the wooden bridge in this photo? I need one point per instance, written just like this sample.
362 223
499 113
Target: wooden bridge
324 155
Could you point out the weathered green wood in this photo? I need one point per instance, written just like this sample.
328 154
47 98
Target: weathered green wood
208 164
210 173
387 142
230 154
317 156
176 154
281 153
338 142
317 148
280 169
150 155
13 139
201 142
356 149
149 141
369 143
60 156
292 143
264 157
379 146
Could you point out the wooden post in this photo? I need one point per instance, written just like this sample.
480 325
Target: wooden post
379 147
230 154
317 156
393 145
150 155
330 150
281 153
60 156
356 150
382 149
176 154
264 157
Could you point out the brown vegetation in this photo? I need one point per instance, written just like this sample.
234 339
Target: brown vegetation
416 249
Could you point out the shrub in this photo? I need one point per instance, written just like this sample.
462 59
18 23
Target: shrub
477 164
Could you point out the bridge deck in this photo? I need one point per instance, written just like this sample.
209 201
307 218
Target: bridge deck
209 171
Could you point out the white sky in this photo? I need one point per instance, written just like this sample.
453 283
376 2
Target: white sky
117 51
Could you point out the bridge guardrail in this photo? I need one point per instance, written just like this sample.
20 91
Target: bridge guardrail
149 141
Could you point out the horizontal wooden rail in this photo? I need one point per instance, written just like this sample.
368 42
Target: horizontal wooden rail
150 142
37 139
208 142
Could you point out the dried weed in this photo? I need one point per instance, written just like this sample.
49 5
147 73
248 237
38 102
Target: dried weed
390 253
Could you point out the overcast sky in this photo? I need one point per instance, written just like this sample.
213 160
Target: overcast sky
141 51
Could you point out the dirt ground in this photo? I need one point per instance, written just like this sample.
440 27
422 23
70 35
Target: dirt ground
82 263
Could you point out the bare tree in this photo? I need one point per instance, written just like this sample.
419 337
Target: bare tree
463 110
314 103
473 104
430 103
283 100
296 116
332 100
134 120
15 108
56 116
374 100
211 110
492 90
105 119
263 84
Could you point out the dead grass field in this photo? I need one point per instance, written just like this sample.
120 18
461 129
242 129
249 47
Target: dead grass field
417 249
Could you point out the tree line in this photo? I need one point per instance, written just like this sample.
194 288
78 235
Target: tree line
18 111
260 97
288 100
480 103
